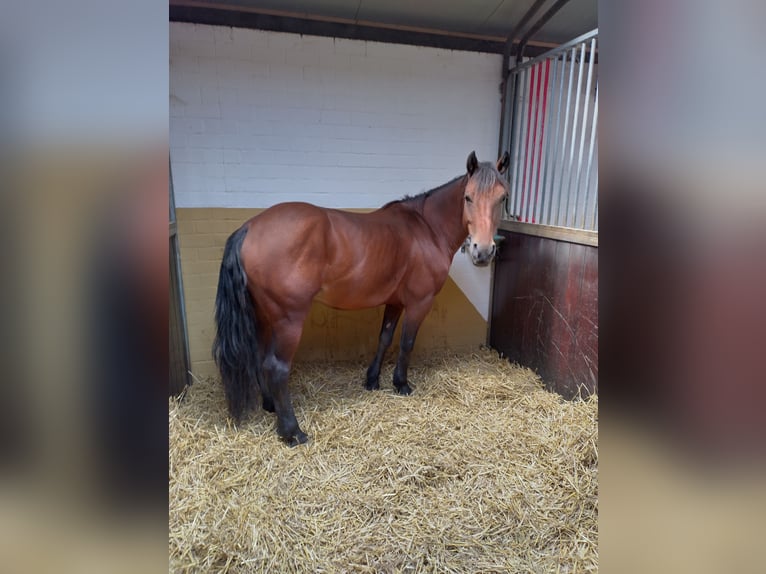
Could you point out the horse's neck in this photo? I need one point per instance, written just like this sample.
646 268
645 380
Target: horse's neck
443 210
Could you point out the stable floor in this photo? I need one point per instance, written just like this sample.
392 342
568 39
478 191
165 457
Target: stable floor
479 470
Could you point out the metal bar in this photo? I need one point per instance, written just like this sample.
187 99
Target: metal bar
513 81
528 157
525 19
595 203
557 141
513 147
535 125
540 157
532 155
172 203
520 143
513 138
542 21
564 137
535 142
574 135
591 151
586 107
508 139
557 50
545 200
506 121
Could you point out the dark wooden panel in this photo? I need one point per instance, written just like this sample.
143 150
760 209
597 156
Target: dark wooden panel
545 310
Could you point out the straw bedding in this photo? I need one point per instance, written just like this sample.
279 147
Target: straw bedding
480 470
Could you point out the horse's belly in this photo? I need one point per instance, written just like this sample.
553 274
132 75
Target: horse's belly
347 299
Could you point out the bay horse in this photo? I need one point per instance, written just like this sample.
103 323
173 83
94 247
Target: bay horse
399 256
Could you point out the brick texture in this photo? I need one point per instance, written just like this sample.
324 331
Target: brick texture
260 117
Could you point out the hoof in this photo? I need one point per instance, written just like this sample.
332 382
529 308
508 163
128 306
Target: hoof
404 389
298 438
372 385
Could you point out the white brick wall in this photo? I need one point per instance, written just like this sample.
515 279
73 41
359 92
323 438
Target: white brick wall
259 117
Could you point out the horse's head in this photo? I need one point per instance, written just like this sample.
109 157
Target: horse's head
482 204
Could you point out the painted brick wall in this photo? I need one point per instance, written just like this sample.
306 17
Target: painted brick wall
260 117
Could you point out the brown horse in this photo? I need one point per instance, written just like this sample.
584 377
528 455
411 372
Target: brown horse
399 256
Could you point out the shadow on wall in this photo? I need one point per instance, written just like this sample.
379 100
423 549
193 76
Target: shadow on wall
330 334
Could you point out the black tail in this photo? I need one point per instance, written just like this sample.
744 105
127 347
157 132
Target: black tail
235 348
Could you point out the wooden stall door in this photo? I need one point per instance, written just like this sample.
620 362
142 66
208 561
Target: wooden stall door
545 310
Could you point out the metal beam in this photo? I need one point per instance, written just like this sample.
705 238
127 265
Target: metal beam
537 26
204 13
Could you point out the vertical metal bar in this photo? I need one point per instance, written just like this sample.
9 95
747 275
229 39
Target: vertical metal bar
586 106
545 200
595 205
540 158
574 131
510 140
535 124
522 208
572 57
539 113
172 203
514 147
529 156
529 144
521 142
591 150
558 138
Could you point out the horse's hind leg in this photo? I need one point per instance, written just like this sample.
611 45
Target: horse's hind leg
390 319
267 401
285 337
258 385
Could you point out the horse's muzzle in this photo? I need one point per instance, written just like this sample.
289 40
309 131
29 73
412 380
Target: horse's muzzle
482 256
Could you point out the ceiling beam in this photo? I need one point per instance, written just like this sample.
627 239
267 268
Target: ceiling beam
298 23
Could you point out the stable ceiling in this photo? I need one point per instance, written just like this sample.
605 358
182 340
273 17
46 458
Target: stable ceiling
488 19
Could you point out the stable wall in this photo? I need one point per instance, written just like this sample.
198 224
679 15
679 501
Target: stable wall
261 117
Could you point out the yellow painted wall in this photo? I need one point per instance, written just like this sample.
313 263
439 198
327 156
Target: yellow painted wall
329 334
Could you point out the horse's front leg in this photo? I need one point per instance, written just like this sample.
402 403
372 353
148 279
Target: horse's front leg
413 317
390 319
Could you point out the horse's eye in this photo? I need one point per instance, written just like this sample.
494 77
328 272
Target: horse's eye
468 199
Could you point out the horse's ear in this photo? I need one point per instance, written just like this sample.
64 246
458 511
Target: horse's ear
472 163
503 163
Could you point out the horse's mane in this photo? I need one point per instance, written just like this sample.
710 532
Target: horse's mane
486 175
413 199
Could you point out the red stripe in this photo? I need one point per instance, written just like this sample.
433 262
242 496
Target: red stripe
534 136
542 132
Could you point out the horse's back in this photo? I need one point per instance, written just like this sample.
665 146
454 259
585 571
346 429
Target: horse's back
296 251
